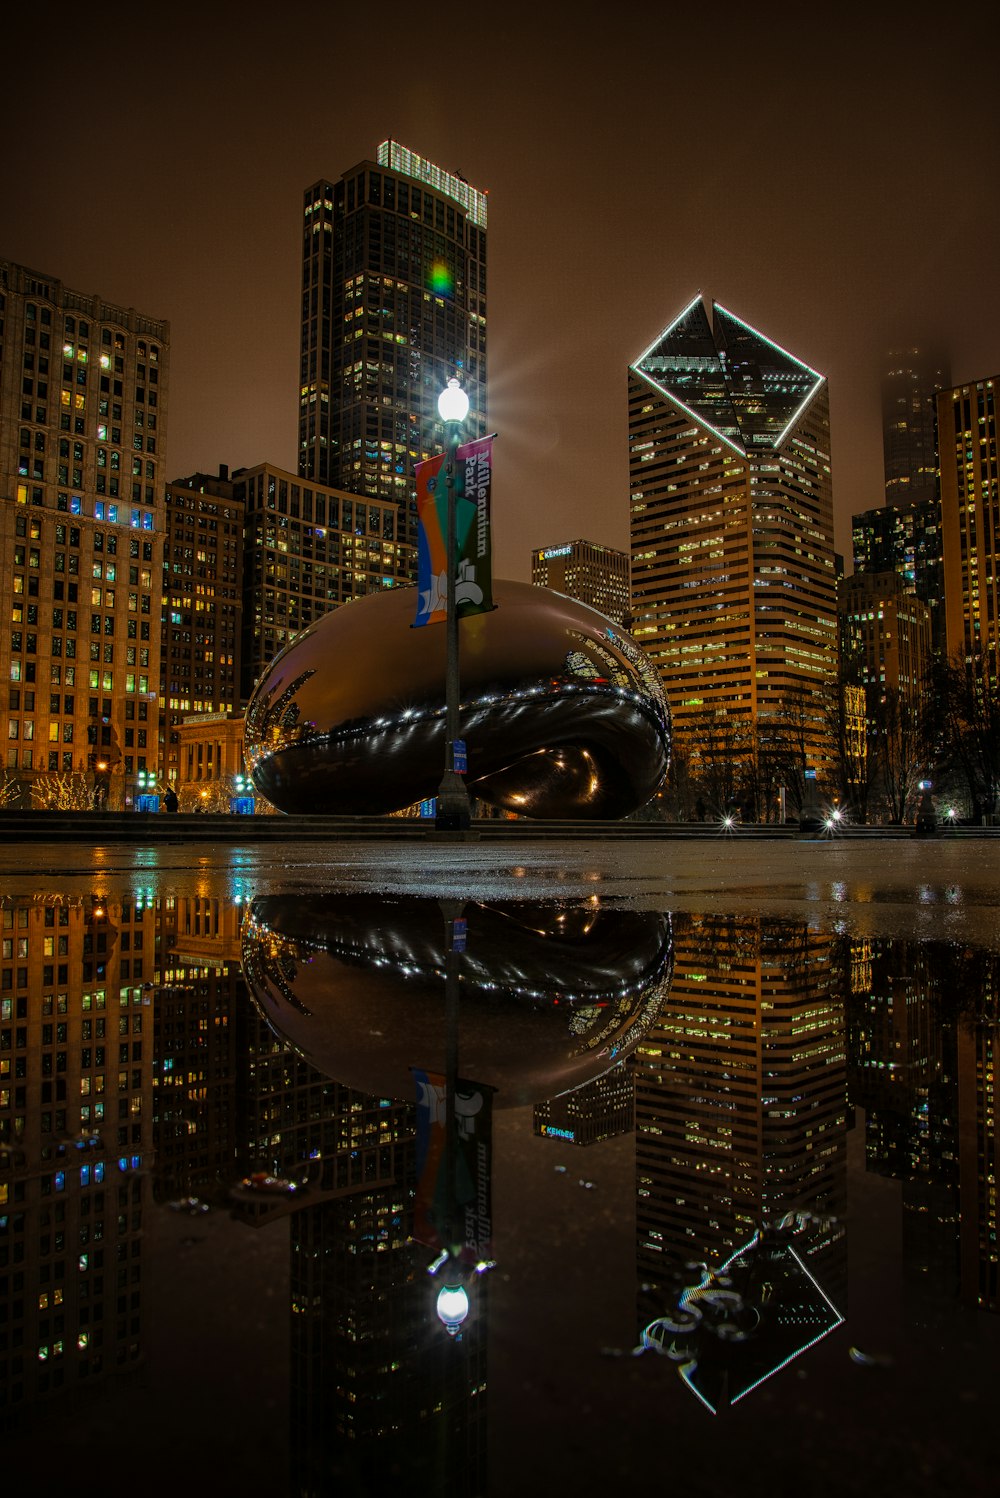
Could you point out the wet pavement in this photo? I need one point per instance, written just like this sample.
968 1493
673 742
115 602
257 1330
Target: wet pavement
753 1249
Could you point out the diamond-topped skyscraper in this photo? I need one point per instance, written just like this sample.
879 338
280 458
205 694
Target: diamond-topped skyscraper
733 579
393 305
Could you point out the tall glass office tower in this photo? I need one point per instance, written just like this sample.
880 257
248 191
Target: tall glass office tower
393 305
733 580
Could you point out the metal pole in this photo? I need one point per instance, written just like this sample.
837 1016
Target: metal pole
454 812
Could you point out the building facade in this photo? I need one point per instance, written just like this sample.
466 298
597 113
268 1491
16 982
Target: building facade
83 395
970 519
393 305
911 379
733 575
202 606
905 539
885 635
308 548
76 1138
601 1109
594 574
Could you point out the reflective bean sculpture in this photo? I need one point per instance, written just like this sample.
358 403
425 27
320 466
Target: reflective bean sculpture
562 714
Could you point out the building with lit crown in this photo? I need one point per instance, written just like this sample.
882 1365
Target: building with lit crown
393 305
594 574
733 575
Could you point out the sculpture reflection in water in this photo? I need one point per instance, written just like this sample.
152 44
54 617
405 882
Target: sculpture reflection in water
539 998
552 994
562 714
409 998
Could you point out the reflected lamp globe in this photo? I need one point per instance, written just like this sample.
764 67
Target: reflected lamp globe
452 1307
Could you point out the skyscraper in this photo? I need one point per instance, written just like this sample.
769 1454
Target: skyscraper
911 379
83 387
970 520
733 580
393 305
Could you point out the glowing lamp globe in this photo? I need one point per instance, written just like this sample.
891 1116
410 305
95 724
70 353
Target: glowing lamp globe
453 403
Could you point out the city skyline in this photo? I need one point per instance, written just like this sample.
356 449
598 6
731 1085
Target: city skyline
841 221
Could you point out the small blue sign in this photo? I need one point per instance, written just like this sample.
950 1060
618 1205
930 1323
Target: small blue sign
429 808
459 757
459 932
241 806
147 802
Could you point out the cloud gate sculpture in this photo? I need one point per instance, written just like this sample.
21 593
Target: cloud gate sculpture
550 994
562 714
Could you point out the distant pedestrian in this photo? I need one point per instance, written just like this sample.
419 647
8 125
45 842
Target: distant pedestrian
699 810
170 799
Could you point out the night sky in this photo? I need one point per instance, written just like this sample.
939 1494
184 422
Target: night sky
831 180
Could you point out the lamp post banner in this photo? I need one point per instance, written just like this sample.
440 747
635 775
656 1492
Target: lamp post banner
473 537
474 588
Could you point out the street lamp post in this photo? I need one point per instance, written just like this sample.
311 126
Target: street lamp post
454 812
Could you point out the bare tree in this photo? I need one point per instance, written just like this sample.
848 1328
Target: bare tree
68 791
900 751
718 756
963 721
10 790
846 710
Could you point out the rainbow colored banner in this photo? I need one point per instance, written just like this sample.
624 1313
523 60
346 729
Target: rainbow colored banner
456 1215
473 533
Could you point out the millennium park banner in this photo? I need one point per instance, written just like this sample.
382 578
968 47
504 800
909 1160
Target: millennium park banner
463 1206
473 539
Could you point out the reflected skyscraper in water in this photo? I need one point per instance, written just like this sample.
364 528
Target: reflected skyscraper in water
601 1109
75 1144
741 1120
923 1036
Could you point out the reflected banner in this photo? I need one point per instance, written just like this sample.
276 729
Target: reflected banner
473 538
456 1215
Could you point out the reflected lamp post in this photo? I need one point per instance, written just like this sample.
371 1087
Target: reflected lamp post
454 812
452 1304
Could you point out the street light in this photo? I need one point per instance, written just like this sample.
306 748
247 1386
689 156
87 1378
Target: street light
454 812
